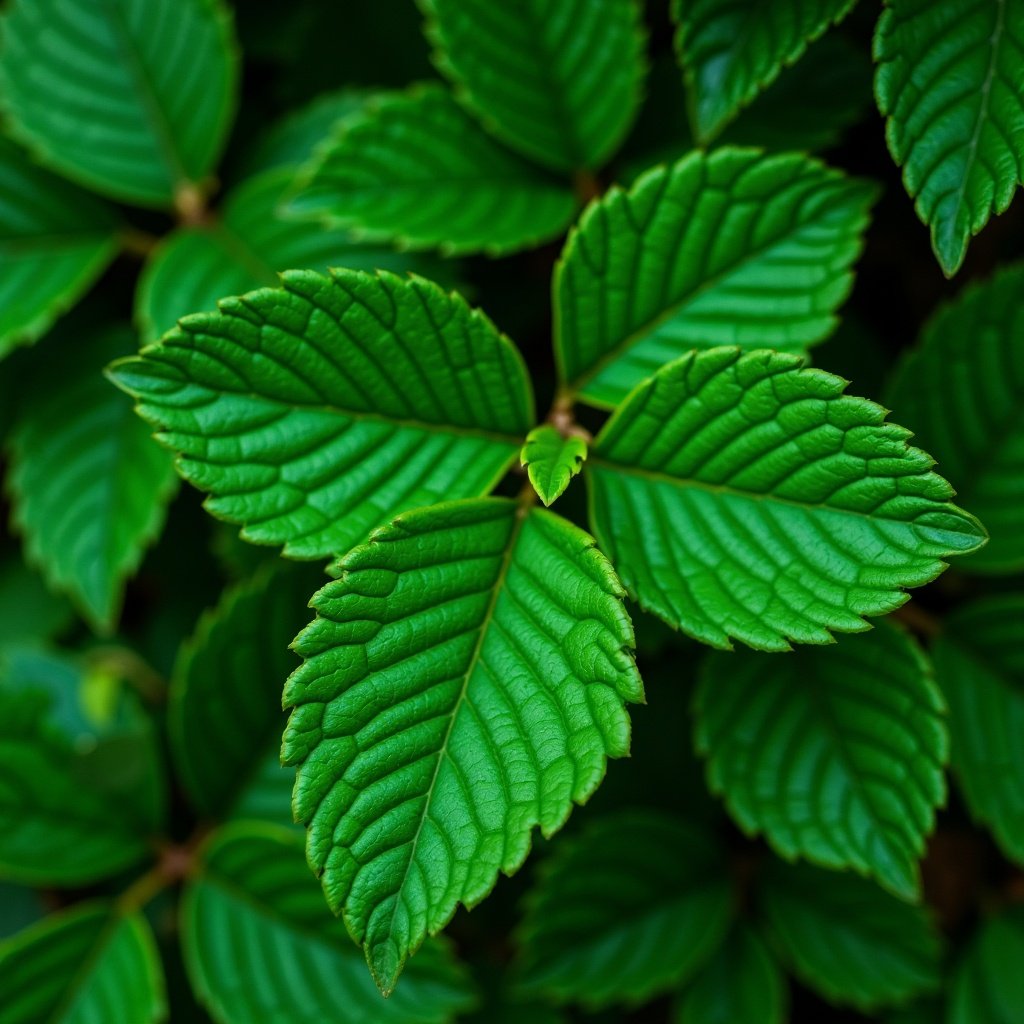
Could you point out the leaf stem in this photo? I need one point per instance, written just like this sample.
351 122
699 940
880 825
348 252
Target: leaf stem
190 204
586 185
130 667
175 862
137 243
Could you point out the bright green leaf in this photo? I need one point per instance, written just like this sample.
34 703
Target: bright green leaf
731 51
90 487
132 98
732 248
54 242
960 392
631 907
558 80
552 460
979 662
260 945
316 411
86 964
988 987
419 172
740 495
847 939
741 984
835 753
464 681
951 82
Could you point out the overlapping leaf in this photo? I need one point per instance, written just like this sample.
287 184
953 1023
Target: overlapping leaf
961 392
87 964
732 247
316 411
552 460
558 80
54 242
987 987
260 945
731 50
834 753
742 496
464 681
132 98
979 662
951 82
418 171
632 906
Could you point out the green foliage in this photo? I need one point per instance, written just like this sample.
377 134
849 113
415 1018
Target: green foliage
987 987
552 460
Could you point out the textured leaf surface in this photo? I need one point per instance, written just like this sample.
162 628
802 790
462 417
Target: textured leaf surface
731 50
741 984
420 172
961 392
225 697
740 495
90 487
464 681
558 80
132 98
834 753
849 940
951 82
629 908
86 964
54 242
988 987
979 662
255 914
552 460
732 248
316 411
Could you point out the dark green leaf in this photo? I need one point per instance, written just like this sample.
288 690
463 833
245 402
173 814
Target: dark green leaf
988 987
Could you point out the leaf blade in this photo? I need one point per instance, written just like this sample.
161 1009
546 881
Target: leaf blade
551 461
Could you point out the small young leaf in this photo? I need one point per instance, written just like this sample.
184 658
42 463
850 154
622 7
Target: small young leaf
835 753
988 987
90 487
626 910
253 911
743 496
464 681
951 82
552 460
741 984
315 411
558 80
732 247
960 392
979 662
731 51
54 242
132 98
418 171
89 963
847 939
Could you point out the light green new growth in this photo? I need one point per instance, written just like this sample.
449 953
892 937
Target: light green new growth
552 460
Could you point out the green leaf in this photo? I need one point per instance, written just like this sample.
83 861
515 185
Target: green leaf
552 460
30 613
315 411
260 945
740 495
90 487
224 709
834 753
19 907
960 392
464 681
631 907
418 171
847 939
741 984
131 98
558 80
988 987
54 242
90 963
979 662
731 51
732 247
950 80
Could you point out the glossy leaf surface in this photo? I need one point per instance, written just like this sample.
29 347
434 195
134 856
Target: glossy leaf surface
552 460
